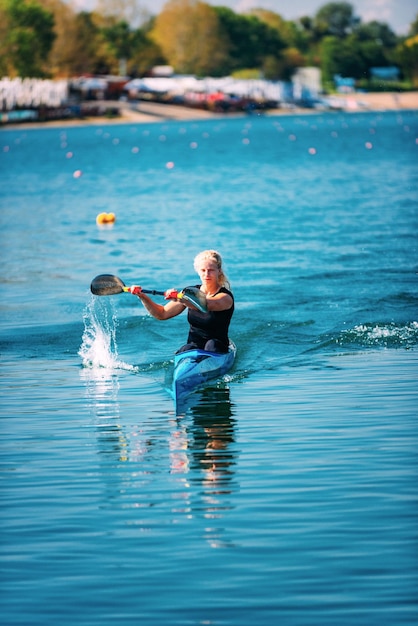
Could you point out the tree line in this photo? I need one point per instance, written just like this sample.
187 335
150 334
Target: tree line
48 38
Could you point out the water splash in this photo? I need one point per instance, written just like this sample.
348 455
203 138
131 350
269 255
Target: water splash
371 335
101 363
384 335
99 348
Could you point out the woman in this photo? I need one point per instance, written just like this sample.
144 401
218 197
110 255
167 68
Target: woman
208 331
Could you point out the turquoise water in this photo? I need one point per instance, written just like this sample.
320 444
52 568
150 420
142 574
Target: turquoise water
285 493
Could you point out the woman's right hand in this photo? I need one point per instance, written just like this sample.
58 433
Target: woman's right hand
135 290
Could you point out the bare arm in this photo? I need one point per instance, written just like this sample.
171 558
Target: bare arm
220 302
160 312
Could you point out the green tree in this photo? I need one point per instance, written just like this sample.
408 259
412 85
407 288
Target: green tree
6 68
145 52
291 59
336 19
134 46
309 40
296 46
379 32
64 50
119 38
413 29
91 54
276 22
251 41
29 38
407 56
354 47
189 35
341 57
376 43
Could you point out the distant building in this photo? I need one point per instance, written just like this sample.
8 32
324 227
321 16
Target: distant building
385 73
344 84
306 82
163 71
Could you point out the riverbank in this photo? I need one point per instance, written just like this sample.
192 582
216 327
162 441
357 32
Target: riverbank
149 112
385 101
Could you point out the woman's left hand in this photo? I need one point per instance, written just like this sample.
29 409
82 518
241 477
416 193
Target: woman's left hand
171 294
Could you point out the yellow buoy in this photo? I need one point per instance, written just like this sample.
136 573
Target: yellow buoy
106 218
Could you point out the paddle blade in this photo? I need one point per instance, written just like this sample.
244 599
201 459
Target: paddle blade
107 285
195 296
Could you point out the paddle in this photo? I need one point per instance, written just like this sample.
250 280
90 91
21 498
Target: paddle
109 285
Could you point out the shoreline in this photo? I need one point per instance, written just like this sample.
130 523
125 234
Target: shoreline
152 112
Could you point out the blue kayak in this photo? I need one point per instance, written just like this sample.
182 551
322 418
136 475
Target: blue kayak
196 367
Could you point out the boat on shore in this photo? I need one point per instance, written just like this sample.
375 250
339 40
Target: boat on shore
194 368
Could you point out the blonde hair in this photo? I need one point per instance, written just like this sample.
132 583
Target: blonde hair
212 255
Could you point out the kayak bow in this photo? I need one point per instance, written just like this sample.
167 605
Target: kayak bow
196 367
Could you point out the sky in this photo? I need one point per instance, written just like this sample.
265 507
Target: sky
398 14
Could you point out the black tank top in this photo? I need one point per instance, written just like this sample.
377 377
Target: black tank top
210 325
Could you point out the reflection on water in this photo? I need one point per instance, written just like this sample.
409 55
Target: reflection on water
199 449
102 387
211 435
202 444
203 449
